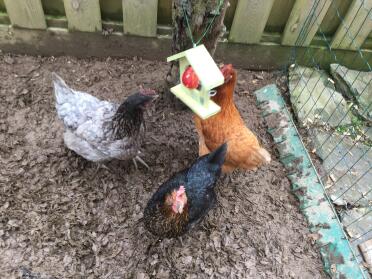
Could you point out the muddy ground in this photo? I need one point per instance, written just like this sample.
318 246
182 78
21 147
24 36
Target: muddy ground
62 216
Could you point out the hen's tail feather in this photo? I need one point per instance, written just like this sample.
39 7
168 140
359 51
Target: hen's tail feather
266 157
257 156
69 103
61 90
217 157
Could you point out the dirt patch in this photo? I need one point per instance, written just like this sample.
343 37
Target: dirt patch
61 216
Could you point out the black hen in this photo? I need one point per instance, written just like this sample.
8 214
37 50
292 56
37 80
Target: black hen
185 198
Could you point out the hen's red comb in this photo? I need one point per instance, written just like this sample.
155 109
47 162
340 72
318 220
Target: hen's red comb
147 91
226 70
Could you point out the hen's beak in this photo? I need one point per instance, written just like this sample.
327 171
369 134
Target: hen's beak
226 71
151 100
150 95
179 207
148 98
227 78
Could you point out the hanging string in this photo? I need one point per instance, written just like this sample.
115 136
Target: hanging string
206 31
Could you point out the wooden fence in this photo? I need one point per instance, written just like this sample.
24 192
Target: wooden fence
261 34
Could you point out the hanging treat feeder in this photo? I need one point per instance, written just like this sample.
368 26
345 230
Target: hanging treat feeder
199 74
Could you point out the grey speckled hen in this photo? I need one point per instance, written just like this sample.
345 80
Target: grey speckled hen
99 130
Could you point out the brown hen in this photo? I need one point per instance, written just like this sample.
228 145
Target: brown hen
244 150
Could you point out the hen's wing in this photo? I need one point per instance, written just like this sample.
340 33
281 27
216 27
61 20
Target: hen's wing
93 139
197 213
98 149
74 107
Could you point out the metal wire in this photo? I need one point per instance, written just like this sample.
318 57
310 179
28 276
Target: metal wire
329 46
347 32
362 197
325 192
206 31
301 35
307 84
359 218
361 236
351 186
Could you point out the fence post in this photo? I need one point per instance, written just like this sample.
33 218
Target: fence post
83 15
304 21
26 14
250 21
356 26
140 17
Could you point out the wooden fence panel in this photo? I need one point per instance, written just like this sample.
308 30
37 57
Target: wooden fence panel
304 21
140 17
83 15
279 15
165 12
26 13
250 20
230 12
53 7
2 6
334 16
356 26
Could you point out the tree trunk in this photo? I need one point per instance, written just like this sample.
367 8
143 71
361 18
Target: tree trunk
200 14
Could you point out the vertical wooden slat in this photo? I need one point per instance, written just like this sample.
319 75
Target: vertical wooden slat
335 14
304 21
250 20
279 15
356 26
230 12
26 13
164 12
83 15
140 17
2 6
53 7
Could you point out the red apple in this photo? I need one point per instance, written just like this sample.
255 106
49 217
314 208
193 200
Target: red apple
190 79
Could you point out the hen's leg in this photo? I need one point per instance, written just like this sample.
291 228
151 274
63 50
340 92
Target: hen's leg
227 170
100 166
135 163
140 160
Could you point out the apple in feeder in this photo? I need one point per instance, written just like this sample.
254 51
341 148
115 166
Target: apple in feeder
199 76
190 79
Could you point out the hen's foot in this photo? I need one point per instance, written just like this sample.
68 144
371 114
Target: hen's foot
100 166
103 166
140 160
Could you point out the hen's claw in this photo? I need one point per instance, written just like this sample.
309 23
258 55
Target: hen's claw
103 166
142 162
139 159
